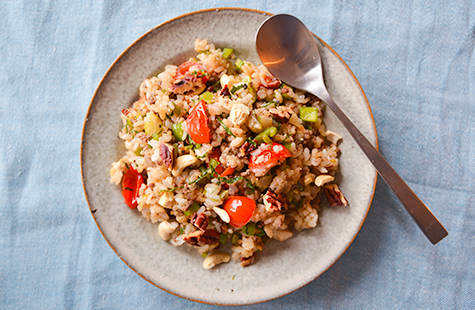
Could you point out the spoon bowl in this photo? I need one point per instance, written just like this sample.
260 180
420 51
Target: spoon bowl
289 51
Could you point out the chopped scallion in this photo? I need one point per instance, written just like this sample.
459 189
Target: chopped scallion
246 79
207 96
223 238
239 63
308 114
192 209
177 131
227 52
249 229
266 135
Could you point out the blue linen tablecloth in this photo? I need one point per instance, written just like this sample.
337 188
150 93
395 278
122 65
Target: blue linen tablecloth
415 61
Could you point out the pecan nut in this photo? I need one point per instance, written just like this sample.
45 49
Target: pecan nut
166 154
272 82
335 196
209 237
202 237
246 148
193 237
200 221
246 261
281 114
275 202
225 91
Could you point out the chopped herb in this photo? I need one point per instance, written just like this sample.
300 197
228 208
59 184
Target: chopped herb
237 87
269 104
223 194
233 277
169 190
251 141
199 179
204 254
285 138
128 125
225 127
176 109
288 145
250 185
298 204
246 79
182 230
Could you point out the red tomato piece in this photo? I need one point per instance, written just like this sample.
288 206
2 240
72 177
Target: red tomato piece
215 153
227 171
266 159
192 68
240 210
197 124
131 183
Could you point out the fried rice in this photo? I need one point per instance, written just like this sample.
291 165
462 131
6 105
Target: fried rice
220 152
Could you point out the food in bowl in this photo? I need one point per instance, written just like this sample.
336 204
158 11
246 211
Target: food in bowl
220 152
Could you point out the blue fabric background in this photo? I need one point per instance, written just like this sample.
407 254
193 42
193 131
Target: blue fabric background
414 59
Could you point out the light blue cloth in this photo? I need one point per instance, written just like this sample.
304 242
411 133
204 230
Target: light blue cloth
415 61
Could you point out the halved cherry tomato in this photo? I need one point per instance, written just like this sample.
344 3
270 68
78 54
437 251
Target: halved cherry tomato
192 68
197 124
240 210
131 183
266 159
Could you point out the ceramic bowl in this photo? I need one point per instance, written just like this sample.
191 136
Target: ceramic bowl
283 266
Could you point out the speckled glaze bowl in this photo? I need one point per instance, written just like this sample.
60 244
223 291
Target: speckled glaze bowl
283 266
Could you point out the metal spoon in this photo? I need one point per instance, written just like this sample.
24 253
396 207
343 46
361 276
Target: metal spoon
289 51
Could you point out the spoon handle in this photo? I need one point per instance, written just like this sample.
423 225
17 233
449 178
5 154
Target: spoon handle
427 222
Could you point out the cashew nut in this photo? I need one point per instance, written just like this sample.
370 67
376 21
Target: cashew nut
323 179
166 229
239 113
282 235
182 162
227 80
222 214
332 136
215 258
166 199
